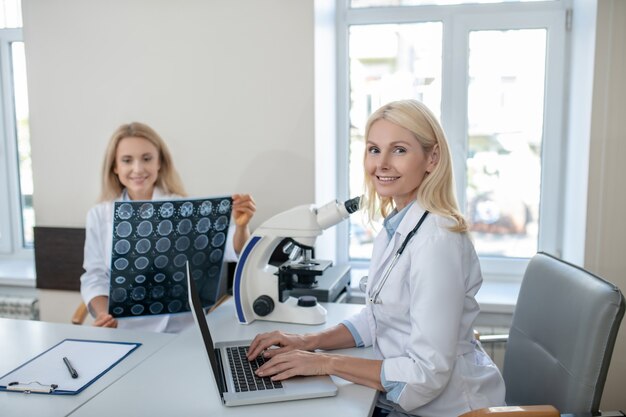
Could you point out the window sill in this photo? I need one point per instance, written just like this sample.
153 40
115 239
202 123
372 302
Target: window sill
498 297
17 272
495 296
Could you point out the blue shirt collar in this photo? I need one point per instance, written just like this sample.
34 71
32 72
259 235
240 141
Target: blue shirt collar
394 219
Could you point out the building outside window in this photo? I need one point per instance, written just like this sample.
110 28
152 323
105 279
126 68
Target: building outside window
494 74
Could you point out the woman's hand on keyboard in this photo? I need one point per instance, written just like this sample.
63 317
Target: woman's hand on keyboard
276 342
293 363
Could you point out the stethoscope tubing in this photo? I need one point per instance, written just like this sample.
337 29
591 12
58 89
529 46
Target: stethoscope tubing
375 297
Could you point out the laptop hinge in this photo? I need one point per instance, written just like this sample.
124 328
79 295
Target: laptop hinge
222 376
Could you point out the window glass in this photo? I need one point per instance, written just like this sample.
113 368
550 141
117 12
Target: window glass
23 142
387 62
505 128
10 14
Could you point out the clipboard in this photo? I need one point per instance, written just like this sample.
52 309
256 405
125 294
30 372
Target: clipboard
49 373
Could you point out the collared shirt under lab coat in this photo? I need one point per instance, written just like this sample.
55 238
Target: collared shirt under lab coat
423 329
97 265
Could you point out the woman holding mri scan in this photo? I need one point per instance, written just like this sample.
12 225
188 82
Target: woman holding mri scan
138 166
420 295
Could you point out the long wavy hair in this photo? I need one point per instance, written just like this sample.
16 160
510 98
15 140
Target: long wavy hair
168 179
436 193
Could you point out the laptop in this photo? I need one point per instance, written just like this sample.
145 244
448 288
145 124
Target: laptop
234 374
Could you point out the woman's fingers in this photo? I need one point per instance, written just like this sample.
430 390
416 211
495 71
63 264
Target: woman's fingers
244 208
293 363
105 320
264 341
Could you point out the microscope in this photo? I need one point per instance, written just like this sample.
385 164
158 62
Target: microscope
262 290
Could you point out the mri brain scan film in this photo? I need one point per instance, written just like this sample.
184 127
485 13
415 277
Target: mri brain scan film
152 243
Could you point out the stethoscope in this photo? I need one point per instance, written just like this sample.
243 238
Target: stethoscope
375 295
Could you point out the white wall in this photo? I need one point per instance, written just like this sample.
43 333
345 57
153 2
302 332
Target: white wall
229 86
606 223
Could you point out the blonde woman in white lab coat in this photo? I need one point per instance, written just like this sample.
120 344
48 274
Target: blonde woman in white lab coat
421 307
138 166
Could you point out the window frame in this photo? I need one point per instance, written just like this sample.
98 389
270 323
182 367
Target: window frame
458 21
11 222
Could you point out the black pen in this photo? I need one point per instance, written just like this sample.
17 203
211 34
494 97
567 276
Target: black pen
73 372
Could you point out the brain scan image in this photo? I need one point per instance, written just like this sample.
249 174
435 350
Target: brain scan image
218 240
186 209
198 259
152 244
203 226
122 247
165 227
144 228
156 308
222 223
124 229
163 245
120 264
124 211
146 210
166 210
206 207
182 243
224 207
184 227
143 246
201 242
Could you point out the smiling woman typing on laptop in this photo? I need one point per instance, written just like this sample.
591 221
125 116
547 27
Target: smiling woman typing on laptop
424 274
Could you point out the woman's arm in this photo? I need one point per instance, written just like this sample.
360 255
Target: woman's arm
99 306
297 362
293 357
244 208
94 283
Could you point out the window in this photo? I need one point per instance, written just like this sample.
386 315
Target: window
494 74
16 189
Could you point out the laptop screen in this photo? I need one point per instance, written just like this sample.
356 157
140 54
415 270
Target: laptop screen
198 313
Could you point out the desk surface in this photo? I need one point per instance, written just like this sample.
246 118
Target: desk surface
21 340
177 379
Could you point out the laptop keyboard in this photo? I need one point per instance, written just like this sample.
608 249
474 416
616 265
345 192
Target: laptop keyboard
243 371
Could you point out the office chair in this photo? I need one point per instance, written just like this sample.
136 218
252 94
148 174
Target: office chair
560 342
79 314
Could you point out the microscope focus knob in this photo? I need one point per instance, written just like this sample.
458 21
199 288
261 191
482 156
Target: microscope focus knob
263 305
307 301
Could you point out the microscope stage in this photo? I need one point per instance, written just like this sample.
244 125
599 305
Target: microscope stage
330 285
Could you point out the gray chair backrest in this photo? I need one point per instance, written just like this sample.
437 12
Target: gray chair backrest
562 337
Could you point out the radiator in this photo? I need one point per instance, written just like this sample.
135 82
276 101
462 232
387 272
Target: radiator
494 349
19 307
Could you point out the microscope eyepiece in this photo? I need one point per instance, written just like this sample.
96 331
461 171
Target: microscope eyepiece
352 205
332 213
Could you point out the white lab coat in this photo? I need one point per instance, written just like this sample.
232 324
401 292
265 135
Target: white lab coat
423 330
97 266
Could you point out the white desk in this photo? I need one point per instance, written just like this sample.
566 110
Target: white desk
21 340
177 381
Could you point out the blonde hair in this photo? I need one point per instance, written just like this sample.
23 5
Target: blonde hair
436 192
168 179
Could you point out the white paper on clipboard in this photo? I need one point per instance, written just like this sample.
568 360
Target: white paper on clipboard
90 358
